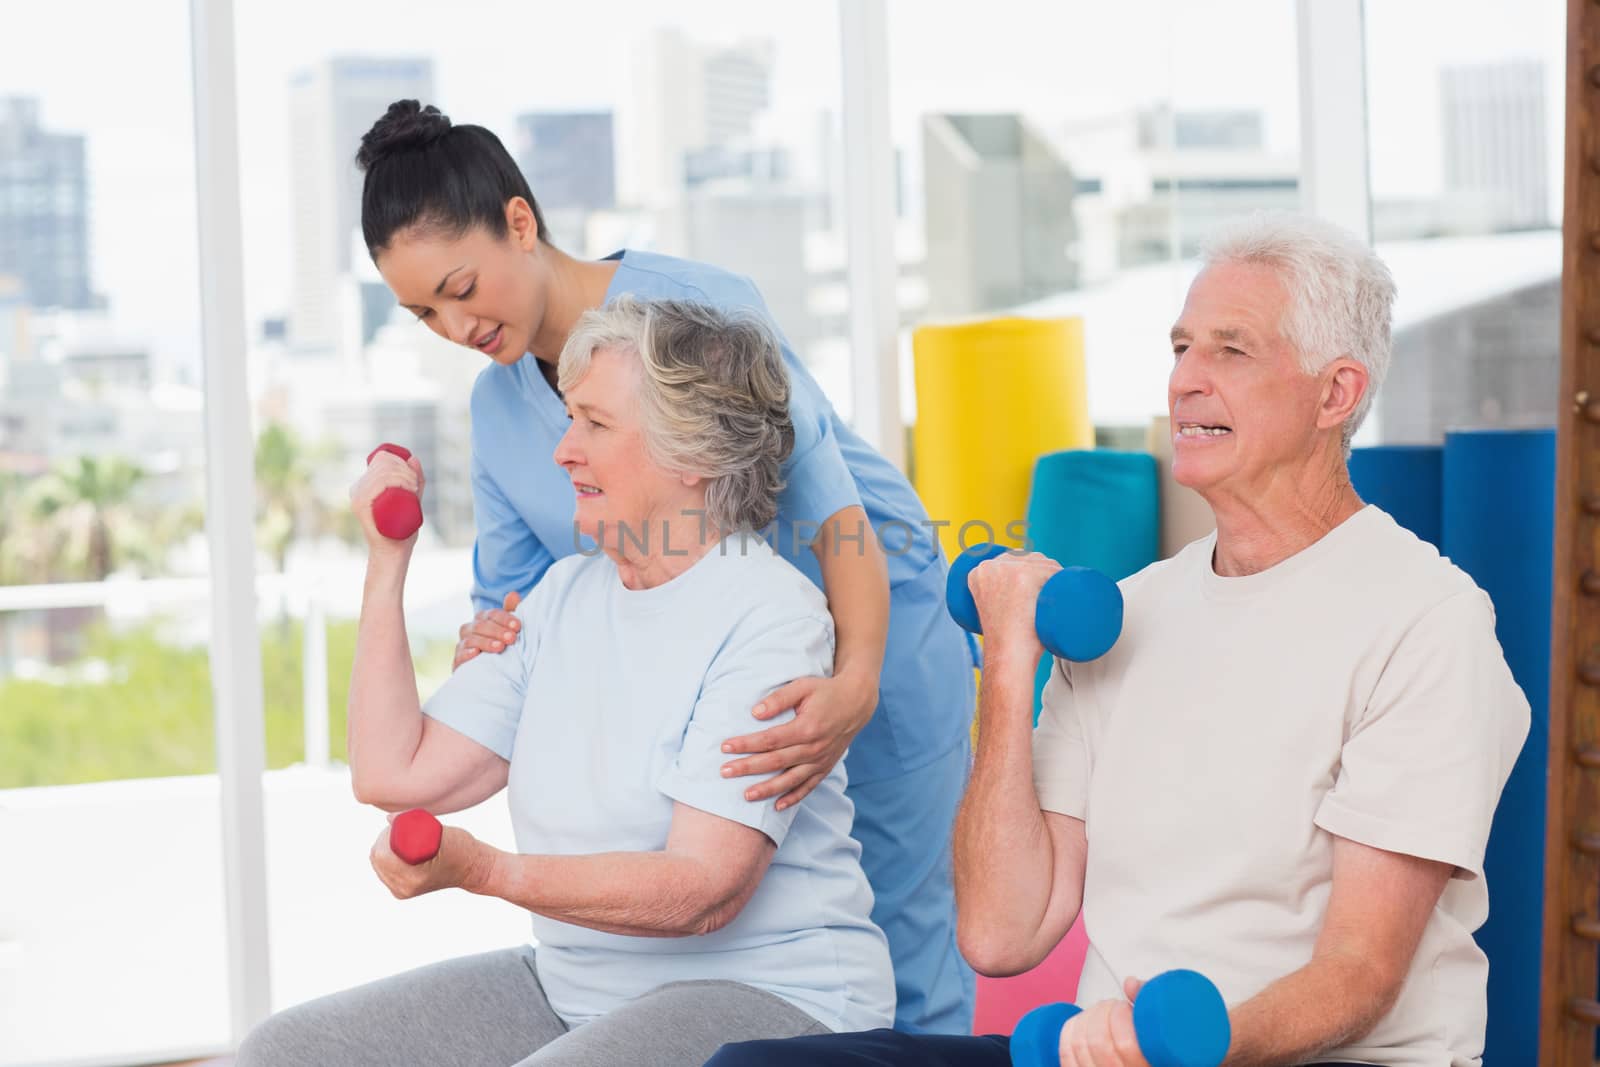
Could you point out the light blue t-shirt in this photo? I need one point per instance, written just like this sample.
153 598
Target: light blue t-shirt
613 705
523 508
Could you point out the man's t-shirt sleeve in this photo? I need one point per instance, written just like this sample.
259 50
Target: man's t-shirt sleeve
1060 756
1423 767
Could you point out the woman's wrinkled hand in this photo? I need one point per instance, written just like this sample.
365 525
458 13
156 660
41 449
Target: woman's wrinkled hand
462 862
386 471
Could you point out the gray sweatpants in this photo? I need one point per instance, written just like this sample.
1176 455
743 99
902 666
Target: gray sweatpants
490 1011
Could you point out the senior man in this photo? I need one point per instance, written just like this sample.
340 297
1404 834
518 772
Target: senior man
1284 773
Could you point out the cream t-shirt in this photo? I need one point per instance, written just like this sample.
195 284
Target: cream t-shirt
1355 690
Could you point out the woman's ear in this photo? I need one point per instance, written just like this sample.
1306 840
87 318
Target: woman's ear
522 223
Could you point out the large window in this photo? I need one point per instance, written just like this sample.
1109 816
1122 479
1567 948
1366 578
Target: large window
1046 163
1053 165
1466 121
110 885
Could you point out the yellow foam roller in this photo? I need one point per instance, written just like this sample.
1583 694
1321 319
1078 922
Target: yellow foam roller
992 397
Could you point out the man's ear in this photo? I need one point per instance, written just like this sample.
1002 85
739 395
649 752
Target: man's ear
1345 385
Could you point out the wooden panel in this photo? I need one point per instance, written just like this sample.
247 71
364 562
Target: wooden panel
1568 1008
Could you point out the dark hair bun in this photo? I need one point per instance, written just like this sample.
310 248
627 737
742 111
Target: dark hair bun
406 126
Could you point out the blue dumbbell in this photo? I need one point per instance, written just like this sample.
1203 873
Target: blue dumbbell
1078 616
1179 1016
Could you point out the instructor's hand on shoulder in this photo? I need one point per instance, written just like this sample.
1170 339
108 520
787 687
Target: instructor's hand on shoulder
491 630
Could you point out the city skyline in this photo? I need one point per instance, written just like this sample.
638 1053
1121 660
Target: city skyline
332 104
44 226
141 165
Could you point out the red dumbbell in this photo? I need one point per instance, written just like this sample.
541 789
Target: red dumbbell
414 836
397 512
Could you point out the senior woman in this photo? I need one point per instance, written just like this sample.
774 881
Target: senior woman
671 914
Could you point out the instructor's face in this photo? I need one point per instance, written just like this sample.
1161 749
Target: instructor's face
476 290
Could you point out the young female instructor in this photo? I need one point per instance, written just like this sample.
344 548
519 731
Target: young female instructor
457 235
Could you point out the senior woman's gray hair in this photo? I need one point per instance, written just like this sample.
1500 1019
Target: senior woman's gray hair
1340 293
713 397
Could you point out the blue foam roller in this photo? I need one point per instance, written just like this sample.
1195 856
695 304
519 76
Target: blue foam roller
1036 1039
1499 526
1079 614
1099 509
1407 481
1182 1021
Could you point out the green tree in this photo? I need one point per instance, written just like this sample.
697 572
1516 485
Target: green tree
88 516
135 706
288 506
15 532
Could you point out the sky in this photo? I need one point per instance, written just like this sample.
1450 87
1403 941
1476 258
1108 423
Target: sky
127 85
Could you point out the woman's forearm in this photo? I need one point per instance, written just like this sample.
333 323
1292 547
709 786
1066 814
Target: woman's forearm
637 894
855 576
384 725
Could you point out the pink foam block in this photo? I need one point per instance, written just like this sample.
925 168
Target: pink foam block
1003 1001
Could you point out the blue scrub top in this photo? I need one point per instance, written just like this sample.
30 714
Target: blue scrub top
524 504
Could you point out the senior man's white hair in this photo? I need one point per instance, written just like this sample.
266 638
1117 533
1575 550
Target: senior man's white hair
1340 293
